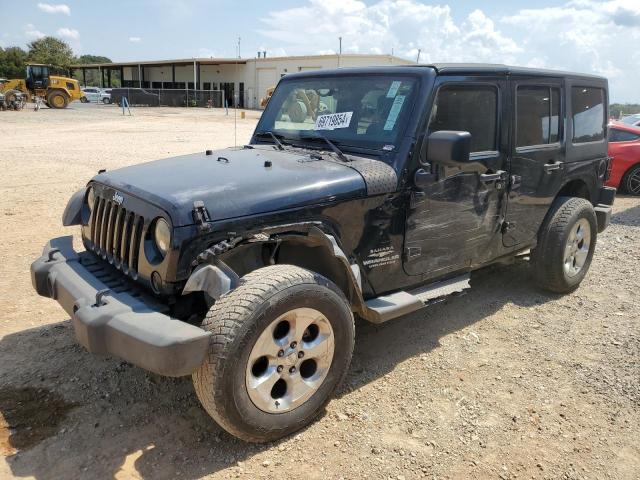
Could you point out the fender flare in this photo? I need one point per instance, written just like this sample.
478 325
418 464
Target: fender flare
72 214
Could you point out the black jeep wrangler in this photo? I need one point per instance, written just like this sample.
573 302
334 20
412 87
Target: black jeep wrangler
369 192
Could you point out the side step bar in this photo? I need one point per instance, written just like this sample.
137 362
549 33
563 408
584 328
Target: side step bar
387 307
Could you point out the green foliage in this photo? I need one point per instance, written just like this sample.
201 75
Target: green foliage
12 62
83 59
618 109
50 51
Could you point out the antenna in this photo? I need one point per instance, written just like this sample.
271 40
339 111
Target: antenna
418 59
236 96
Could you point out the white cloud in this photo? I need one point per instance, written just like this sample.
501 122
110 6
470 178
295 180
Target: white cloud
31 31
585 36
404 25
135 39
580 35
68 33
55 8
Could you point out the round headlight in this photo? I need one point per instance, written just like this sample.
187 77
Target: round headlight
91 198
162 236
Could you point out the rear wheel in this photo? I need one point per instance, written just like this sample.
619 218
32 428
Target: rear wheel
84 100
631 181
106 101
57 99
566 243
281 344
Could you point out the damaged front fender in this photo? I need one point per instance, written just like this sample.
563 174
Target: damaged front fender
214 280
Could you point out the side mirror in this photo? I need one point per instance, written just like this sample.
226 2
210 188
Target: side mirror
448 148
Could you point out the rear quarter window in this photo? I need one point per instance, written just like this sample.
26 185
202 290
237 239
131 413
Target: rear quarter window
588 114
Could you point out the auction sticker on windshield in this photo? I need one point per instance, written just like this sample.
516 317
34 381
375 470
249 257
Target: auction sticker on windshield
333 121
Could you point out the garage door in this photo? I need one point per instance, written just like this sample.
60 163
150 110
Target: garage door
267 77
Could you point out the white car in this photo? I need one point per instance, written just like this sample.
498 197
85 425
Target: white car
95 94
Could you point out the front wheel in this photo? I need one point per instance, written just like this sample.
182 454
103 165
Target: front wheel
566 243
57 99
106 101
281 345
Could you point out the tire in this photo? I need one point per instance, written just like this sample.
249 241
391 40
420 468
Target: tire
630 183
57 99
10 97
84 100
254 313
566 242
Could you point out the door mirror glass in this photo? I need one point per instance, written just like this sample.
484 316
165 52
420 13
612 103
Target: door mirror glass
448 148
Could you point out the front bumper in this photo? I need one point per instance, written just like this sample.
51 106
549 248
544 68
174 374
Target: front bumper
123 323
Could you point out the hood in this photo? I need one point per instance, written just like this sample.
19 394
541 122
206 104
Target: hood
236 182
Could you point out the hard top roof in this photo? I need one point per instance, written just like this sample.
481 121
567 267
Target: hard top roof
448 69
504 69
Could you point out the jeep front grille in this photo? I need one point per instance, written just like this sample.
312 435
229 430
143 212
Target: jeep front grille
115 234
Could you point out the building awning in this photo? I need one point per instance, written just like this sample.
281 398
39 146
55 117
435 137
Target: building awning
178 62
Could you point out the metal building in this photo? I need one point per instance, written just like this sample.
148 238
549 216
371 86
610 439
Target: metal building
243 80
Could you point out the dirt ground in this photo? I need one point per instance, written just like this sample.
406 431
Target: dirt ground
504 382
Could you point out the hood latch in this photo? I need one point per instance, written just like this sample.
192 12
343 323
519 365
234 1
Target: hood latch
201 216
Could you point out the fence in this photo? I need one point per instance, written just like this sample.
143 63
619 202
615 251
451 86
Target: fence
156 97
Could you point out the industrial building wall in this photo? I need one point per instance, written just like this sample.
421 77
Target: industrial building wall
248 81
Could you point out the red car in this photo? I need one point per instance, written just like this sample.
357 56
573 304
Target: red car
624 148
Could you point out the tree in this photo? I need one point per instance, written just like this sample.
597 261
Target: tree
83 59
50 51
12 62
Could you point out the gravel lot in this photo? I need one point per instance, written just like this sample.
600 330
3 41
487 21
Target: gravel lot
504 382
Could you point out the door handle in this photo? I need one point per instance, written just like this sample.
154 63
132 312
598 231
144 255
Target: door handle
493 177
551 167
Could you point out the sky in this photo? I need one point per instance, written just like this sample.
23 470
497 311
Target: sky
600 37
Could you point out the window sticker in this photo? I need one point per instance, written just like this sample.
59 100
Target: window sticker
333 121
393 89
394 112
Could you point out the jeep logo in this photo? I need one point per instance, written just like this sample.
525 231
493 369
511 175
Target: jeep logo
118 198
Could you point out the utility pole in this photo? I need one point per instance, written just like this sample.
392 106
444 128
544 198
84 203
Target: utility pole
418 59
239 39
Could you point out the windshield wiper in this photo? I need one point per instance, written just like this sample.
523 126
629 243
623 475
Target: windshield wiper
279 144
332 145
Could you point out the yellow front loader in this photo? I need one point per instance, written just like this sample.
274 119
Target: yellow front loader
56 91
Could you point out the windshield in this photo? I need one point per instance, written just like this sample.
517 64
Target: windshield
631 119
362 111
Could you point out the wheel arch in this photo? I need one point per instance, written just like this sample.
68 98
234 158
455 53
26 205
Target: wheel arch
308 248
577 187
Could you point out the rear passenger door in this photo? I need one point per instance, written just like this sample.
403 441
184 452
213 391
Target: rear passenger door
537 155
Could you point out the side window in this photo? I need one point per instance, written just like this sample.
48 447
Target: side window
467 108
616 135
538 115
588 111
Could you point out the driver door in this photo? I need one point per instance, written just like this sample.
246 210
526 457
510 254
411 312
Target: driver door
454 217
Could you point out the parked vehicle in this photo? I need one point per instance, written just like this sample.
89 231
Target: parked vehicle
56 91
371 192
95 94
624 149
633 120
